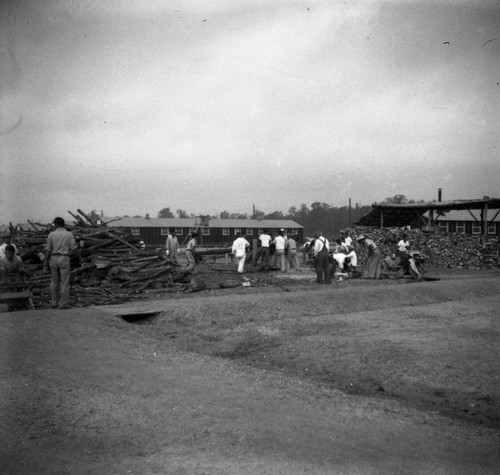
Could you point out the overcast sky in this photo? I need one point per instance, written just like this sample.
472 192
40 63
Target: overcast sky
132 106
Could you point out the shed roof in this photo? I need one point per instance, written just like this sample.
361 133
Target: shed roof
405 214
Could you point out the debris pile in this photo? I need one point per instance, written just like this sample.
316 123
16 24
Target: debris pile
439 250
108 267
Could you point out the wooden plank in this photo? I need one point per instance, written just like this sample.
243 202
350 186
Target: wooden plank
15 295
87 217
33 226
118 238
79 220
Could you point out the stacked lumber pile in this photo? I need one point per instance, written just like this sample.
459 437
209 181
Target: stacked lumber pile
108 267
490 256
439 250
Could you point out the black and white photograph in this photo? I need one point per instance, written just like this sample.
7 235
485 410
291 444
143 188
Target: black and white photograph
250 237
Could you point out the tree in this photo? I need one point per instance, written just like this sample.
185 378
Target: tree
318 207
238 216
147 216
165 213
396 200
224 215
258 214
275 215
181 213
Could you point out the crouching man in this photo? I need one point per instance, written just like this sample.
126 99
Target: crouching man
12 273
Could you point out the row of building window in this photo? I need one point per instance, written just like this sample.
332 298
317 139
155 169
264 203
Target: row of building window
206 231
460 227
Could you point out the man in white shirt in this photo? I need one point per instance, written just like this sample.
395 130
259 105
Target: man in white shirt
280 243
342 261
347 239
321 248
402 253
265 241
191 251
172 246
239 250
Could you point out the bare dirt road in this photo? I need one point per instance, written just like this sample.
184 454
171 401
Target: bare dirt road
358 377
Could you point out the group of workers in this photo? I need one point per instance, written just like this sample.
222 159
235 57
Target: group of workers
343 260
281 251
60 245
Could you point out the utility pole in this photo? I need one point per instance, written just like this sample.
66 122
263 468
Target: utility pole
350 213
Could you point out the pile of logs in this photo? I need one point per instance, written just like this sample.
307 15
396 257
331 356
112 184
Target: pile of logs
108 266
439 250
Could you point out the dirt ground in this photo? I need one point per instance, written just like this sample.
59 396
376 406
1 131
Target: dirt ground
284 376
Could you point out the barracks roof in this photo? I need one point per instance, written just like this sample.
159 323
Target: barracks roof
213 223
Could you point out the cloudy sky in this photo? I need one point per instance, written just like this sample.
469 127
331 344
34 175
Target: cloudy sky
130 106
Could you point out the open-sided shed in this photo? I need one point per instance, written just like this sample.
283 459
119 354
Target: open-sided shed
392 215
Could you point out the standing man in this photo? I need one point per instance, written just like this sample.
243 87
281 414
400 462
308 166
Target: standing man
265 242
346 238
280 243
239 249
293 256
373 265
172 246
60 244
321 248
402 252
191 251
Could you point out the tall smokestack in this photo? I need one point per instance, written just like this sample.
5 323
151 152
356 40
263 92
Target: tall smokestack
440 194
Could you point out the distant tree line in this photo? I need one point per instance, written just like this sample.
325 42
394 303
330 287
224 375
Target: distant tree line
319 216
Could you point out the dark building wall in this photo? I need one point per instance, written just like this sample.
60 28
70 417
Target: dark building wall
216 237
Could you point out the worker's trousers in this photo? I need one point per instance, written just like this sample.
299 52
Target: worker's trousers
322 267
172 255
264 255
293 259
190 259
241 263
59 280
281 258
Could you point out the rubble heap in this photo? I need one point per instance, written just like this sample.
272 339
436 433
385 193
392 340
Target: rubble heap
108 266
439 250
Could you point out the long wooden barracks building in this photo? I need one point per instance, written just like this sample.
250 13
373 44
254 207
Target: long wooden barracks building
213 232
